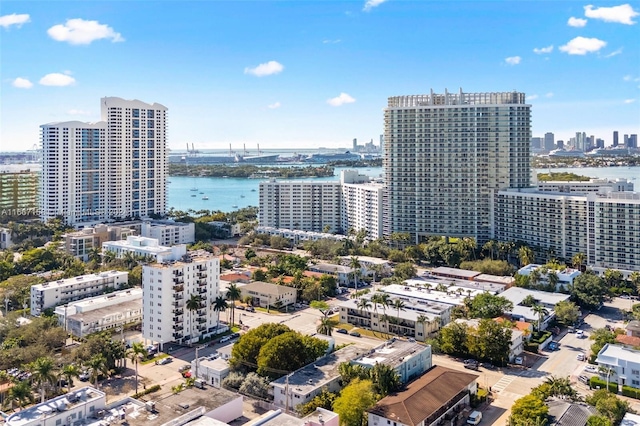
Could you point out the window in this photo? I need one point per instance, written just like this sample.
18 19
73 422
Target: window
135 113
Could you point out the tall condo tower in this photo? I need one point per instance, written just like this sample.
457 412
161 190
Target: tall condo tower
115 168
447 155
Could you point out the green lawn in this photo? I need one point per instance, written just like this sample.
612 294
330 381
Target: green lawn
153 359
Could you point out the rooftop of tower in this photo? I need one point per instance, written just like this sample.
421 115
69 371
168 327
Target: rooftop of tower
460 98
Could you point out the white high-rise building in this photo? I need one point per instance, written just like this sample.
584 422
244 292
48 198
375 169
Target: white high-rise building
177 298
113 169
447 155
361 204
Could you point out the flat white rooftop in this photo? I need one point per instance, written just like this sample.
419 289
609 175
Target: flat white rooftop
81 278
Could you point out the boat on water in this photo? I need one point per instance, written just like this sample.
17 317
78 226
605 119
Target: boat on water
194 157
194 189
201 193
253 190
333 156
205 198
193 195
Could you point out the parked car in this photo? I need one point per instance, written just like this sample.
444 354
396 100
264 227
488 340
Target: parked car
184 368
580 334
474 418
475 367
354 333
250 309
583 379
591 369
84 376
164 361
518 360
341 331
469 361
580 357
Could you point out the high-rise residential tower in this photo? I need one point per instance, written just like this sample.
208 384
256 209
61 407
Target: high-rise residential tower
615 138
447 155
115 168
549 141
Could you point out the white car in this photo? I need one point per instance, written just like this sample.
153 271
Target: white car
518 360
474 418
580 334
591 369
580 357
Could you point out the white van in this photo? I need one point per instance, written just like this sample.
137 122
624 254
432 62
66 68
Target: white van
474 418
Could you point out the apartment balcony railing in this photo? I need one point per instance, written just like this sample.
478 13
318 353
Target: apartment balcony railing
202 290
178 327
178 280
201 328
178 273
201 282
178 288
201 312
201 275
178 303
178 296
177 319
178 311
177 335
201 320
201 268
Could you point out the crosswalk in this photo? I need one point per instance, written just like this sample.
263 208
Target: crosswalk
502 384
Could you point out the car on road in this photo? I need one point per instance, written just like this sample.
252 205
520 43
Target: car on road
341 331
184 368
580 357
164 361
84 376
583 379
354 333
554 346
580 334
250 309
226 338
591 369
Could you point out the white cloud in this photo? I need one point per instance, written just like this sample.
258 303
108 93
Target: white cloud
268 68
341 99
532 97
576 22
614 53
57 79
79 31
78 112
22 83
629 101
583 45
549 95
630 78
622 14
331 41
370 4
14 19
274 105
513 60
542 50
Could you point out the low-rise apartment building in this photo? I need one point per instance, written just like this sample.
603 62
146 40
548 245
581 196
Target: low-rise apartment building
583 187
81 243
441 396
343 274
76 408
624 363
212 370
304 384
408 359
143 246
268 294
168 232
106 312
55 293
517 295
177 298
565 276
296 236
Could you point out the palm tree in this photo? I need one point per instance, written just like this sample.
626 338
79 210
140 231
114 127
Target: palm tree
561 386
398 305
634 279
552 277
233 294
541 311
364 305
578 260
20 392
94 254
219 304
136 351
108 256
70 371
607 371
354 263
525 254
326 326
192 304
97 365
423 320
43 373
129 259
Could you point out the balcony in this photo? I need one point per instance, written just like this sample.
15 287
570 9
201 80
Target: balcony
201 328
178 303
178 273
178 280
178 311
202 290
178 297
202 312
201 268
178 327
201 282
201 275
177 336
201 320
178 319
178 288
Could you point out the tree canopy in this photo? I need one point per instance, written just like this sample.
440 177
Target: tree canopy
487 305
588 290
357 397
528 410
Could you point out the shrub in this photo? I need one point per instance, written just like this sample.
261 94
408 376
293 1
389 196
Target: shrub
597 382
233 380
531 347
631 392
147 391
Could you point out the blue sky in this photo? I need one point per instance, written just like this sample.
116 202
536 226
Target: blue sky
289 74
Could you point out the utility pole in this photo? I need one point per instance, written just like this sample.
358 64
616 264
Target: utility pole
286 394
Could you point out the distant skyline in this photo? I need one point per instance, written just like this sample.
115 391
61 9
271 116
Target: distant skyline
305 74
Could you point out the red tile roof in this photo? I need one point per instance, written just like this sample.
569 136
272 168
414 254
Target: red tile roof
628 340
424 396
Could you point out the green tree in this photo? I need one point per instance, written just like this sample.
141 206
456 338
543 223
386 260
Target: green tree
136 352
612 278
452 339
97 365
43 372
218 305
601 337
608 405
541 311
326 326
233 294
493 341
578 260
588 290
405 271
244 354
597 420
354 263
353 402
385 379
20 393
70 371
634 279
525 255
526 410
288 352
324 400
487 305
398 305
193 304
255 385
567 312
560 386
